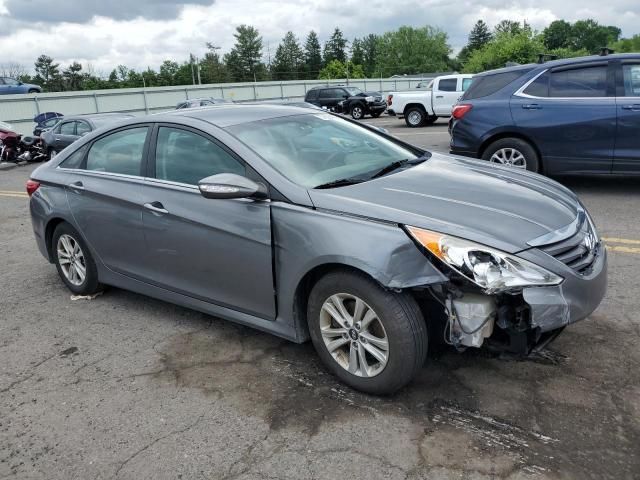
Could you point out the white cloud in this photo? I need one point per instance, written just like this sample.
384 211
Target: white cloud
138 42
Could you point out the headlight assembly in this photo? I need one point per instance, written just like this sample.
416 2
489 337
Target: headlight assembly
369 99
490 269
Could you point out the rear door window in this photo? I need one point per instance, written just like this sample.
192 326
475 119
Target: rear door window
326 93
187 157
120 152
485 85
68 128
539 87
82 128
579 82
631 78
448 85
312 95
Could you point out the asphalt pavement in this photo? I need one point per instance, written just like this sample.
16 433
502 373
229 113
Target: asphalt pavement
126 387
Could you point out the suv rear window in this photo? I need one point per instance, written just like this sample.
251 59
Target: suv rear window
486 85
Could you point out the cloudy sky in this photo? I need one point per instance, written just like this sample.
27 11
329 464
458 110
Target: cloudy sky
141 33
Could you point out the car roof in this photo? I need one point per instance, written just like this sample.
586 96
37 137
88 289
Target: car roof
92 116
225 115
563 62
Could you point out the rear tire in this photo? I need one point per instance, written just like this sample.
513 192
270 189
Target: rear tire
415 117
73 260
513 152
34 90
387 330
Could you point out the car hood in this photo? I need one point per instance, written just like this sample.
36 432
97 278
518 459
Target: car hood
497 206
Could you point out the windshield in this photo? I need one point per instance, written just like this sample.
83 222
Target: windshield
317 149
353 91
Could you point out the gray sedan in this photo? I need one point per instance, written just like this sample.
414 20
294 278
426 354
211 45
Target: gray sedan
71 128
310 226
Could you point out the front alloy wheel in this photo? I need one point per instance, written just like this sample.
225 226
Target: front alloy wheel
357 112
373 339
354 335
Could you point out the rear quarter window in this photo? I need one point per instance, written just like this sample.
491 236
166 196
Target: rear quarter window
486 85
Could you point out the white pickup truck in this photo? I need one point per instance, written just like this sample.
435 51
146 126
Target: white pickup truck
423 107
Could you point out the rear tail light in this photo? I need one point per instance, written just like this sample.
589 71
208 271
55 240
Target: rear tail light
389 100
32 186
460 111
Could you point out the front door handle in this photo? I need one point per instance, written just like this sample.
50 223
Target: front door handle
635 107
531 106
439 96
77 186
156 207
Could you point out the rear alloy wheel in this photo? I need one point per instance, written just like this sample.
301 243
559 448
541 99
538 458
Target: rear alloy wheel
73 261
357 112
372 339
415 117
513 152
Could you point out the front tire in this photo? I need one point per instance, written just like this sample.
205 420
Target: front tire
513 152
74 262
357 112
415 117
372 339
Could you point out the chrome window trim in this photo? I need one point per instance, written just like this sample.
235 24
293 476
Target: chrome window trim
171 183
97 173
520 92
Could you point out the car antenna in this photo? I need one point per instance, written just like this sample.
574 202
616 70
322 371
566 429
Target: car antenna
544 57
604 51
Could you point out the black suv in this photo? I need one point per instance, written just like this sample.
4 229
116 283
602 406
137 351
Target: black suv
349 100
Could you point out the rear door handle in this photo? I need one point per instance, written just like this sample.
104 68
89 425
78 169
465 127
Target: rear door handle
439 96
156 207
531 106
77 186
635 107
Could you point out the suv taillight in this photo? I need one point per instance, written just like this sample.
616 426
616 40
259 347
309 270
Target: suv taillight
461 110
32 186
389 100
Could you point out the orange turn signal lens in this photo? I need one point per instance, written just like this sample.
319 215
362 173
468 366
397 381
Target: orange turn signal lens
428 239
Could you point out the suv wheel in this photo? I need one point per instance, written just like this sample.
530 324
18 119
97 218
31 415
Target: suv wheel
372 339
415 117
357 112
513 152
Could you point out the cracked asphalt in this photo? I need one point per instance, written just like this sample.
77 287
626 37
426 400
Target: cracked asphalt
127 387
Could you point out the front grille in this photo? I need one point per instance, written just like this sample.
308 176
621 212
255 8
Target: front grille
578 251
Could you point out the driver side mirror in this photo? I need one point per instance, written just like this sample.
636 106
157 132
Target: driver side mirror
230 185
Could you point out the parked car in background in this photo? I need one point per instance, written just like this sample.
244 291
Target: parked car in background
201 102
346 99
426 106
311 226
72 128
578 115
11 86
45 121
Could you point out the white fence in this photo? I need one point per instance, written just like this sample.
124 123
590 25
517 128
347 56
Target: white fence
19 110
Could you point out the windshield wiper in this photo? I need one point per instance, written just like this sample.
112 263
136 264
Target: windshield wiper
342 182
398 164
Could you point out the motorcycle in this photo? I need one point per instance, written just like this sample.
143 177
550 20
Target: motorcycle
18 148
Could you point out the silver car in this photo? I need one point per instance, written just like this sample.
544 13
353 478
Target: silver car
311 226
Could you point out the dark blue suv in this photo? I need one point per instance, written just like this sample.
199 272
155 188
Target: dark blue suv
578 116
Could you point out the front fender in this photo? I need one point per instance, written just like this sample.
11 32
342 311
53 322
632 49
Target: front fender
304 239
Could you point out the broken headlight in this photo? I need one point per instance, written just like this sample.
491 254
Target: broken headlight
490 269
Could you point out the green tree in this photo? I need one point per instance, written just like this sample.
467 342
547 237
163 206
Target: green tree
369 49
335 48
508 26
591 36
522 47
48 73
72 77
288 62
244 59
413 50
628 45
338 69
312 55
212 69
168 71
357 52
557 35
479 36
